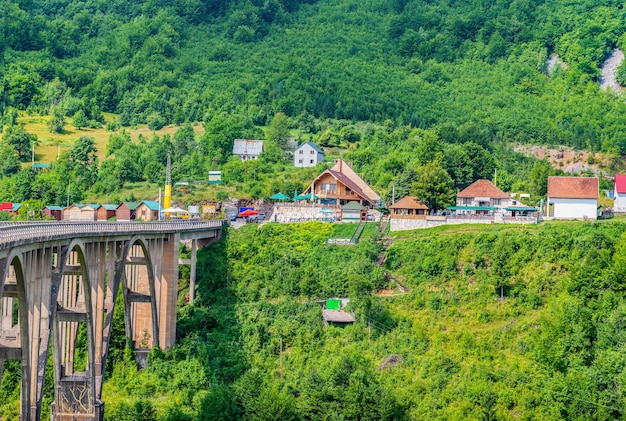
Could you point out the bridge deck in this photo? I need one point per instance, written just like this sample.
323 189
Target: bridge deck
16 233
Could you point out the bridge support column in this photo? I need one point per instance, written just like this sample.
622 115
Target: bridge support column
169 292
192 272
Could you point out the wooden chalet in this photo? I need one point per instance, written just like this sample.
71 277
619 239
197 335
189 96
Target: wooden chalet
340 185
408 208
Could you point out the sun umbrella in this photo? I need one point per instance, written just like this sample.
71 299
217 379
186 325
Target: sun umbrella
279 196
247 212
307 197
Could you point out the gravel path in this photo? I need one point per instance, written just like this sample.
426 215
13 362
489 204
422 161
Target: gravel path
609 71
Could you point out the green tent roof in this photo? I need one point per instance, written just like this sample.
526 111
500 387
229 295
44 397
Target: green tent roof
521 209
353 205
279 196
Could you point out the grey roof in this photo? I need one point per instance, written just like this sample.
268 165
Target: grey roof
110 207
338 316
52 207
312 145
247 147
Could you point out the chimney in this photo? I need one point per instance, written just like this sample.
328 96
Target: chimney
340 162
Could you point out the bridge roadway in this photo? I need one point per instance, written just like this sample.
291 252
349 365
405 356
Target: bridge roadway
58 287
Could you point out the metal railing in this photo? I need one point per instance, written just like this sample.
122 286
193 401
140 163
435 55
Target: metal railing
24 232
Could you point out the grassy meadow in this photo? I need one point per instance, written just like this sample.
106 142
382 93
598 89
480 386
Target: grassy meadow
51 145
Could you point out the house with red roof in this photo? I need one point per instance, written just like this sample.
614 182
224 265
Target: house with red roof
573 197
482 198
619 194
340 185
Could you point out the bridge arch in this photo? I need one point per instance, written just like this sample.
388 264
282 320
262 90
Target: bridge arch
140 287
14 327
73 319
66 276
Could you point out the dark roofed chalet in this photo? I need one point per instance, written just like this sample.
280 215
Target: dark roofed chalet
340 185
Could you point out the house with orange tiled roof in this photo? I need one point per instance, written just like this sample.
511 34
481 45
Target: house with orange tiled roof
340 185
408 208
482 198
573 197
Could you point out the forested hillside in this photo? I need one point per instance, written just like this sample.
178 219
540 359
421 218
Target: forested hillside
338 71
500 322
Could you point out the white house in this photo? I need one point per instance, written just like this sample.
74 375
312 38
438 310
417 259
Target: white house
573 197
482 198
308 155
619 193
247 149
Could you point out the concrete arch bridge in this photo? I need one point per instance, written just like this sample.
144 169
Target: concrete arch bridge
59 281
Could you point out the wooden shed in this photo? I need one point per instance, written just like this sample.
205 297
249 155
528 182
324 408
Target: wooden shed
124 211
72 213
106 212
55 212
148 210
89 212
353 212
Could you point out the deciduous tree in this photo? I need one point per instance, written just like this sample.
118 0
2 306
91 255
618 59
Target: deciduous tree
434 186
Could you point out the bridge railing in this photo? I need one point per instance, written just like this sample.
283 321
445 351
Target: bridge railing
11 232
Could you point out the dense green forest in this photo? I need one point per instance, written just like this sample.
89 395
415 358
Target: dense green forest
500 322
361 78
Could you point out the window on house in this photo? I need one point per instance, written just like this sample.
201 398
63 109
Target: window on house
311 161
329 188
467 201
301 152
299 161
495 201
312 152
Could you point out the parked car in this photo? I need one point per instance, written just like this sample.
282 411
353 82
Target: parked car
256 218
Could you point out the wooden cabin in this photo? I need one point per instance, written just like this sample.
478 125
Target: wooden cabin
54 212
409 208
106 212
148 210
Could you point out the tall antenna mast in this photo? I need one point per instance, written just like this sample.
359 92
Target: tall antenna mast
167 198
168 175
